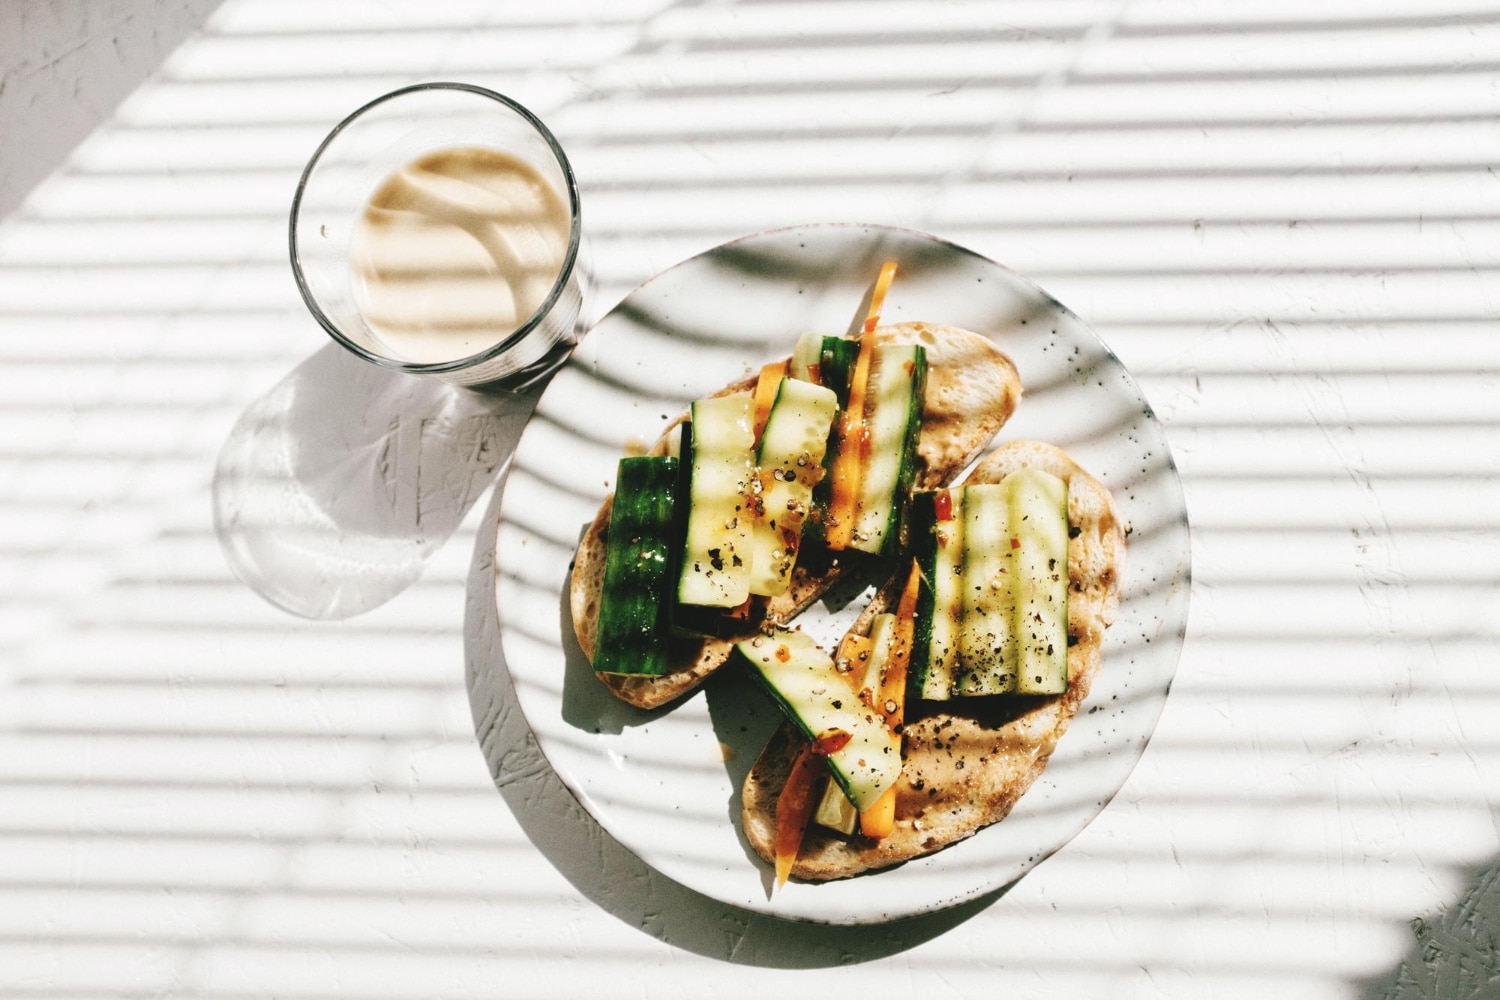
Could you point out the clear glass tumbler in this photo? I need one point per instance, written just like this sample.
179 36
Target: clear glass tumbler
360 157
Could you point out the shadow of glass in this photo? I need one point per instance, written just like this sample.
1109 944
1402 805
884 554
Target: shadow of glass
1453 953
335 488
608 874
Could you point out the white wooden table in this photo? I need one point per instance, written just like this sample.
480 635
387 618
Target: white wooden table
1284 217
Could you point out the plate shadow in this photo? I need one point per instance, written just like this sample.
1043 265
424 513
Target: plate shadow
608 874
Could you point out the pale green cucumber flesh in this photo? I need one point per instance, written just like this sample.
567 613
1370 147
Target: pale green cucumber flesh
716 551
807 357
789 463
986 640
835 811
818 700
1038 504
882 643
938 544
893 415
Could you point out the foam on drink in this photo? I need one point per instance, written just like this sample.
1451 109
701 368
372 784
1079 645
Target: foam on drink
455 251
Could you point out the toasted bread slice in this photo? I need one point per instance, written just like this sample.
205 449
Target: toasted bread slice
968 760
972 390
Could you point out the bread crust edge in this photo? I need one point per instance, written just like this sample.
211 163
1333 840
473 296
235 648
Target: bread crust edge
965 366
939 801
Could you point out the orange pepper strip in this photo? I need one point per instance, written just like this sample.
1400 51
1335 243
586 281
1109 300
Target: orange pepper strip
880 819
857 650
877 297
854 436
794 808
848 465
765 393
893 679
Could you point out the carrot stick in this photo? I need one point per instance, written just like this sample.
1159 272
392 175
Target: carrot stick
765 393
848 465
880 819
893 678
794 808
877 297
854 436
855 650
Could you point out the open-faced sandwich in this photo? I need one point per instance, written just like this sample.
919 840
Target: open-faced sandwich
749 508
943 704
945 701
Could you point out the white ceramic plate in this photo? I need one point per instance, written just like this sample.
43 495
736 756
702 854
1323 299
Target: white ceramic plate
666 783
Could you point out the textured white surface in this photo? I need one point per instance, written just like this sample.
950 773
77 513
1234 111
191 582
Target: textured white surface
1282 216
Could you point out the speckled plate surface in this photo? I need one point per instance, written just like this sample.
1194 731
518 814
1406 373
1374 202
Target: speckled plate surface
666 783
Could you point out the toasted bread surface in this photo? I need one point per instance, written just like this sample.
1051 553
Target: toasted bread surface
972 390
967 761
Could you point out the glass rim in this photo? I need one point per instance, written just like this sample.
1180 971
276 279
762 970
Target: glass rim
570 259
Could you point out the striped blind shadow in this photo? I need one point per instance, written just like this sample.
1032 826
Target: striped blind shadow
1074 213
1133 207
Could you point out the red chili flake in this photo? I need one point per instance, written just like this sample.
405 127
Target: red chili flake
783 652
1015 543
942 505
831 742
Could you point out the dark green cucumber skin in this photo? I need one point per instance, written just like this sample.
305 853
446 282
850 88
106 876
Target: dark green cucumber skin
839 356
922 514
833 372
686 619
638 568
787 710
893 541
683 619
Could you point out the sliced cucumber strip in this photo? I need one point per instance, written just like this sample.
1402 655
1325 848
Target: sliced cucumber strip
807 357
818 700
937 540
893 417
882 642
837 365
986 640
835 811
789 463
638 565
716 552
1038 504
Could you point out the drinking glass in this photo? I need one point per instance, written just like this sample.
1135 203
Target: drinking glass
368 147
